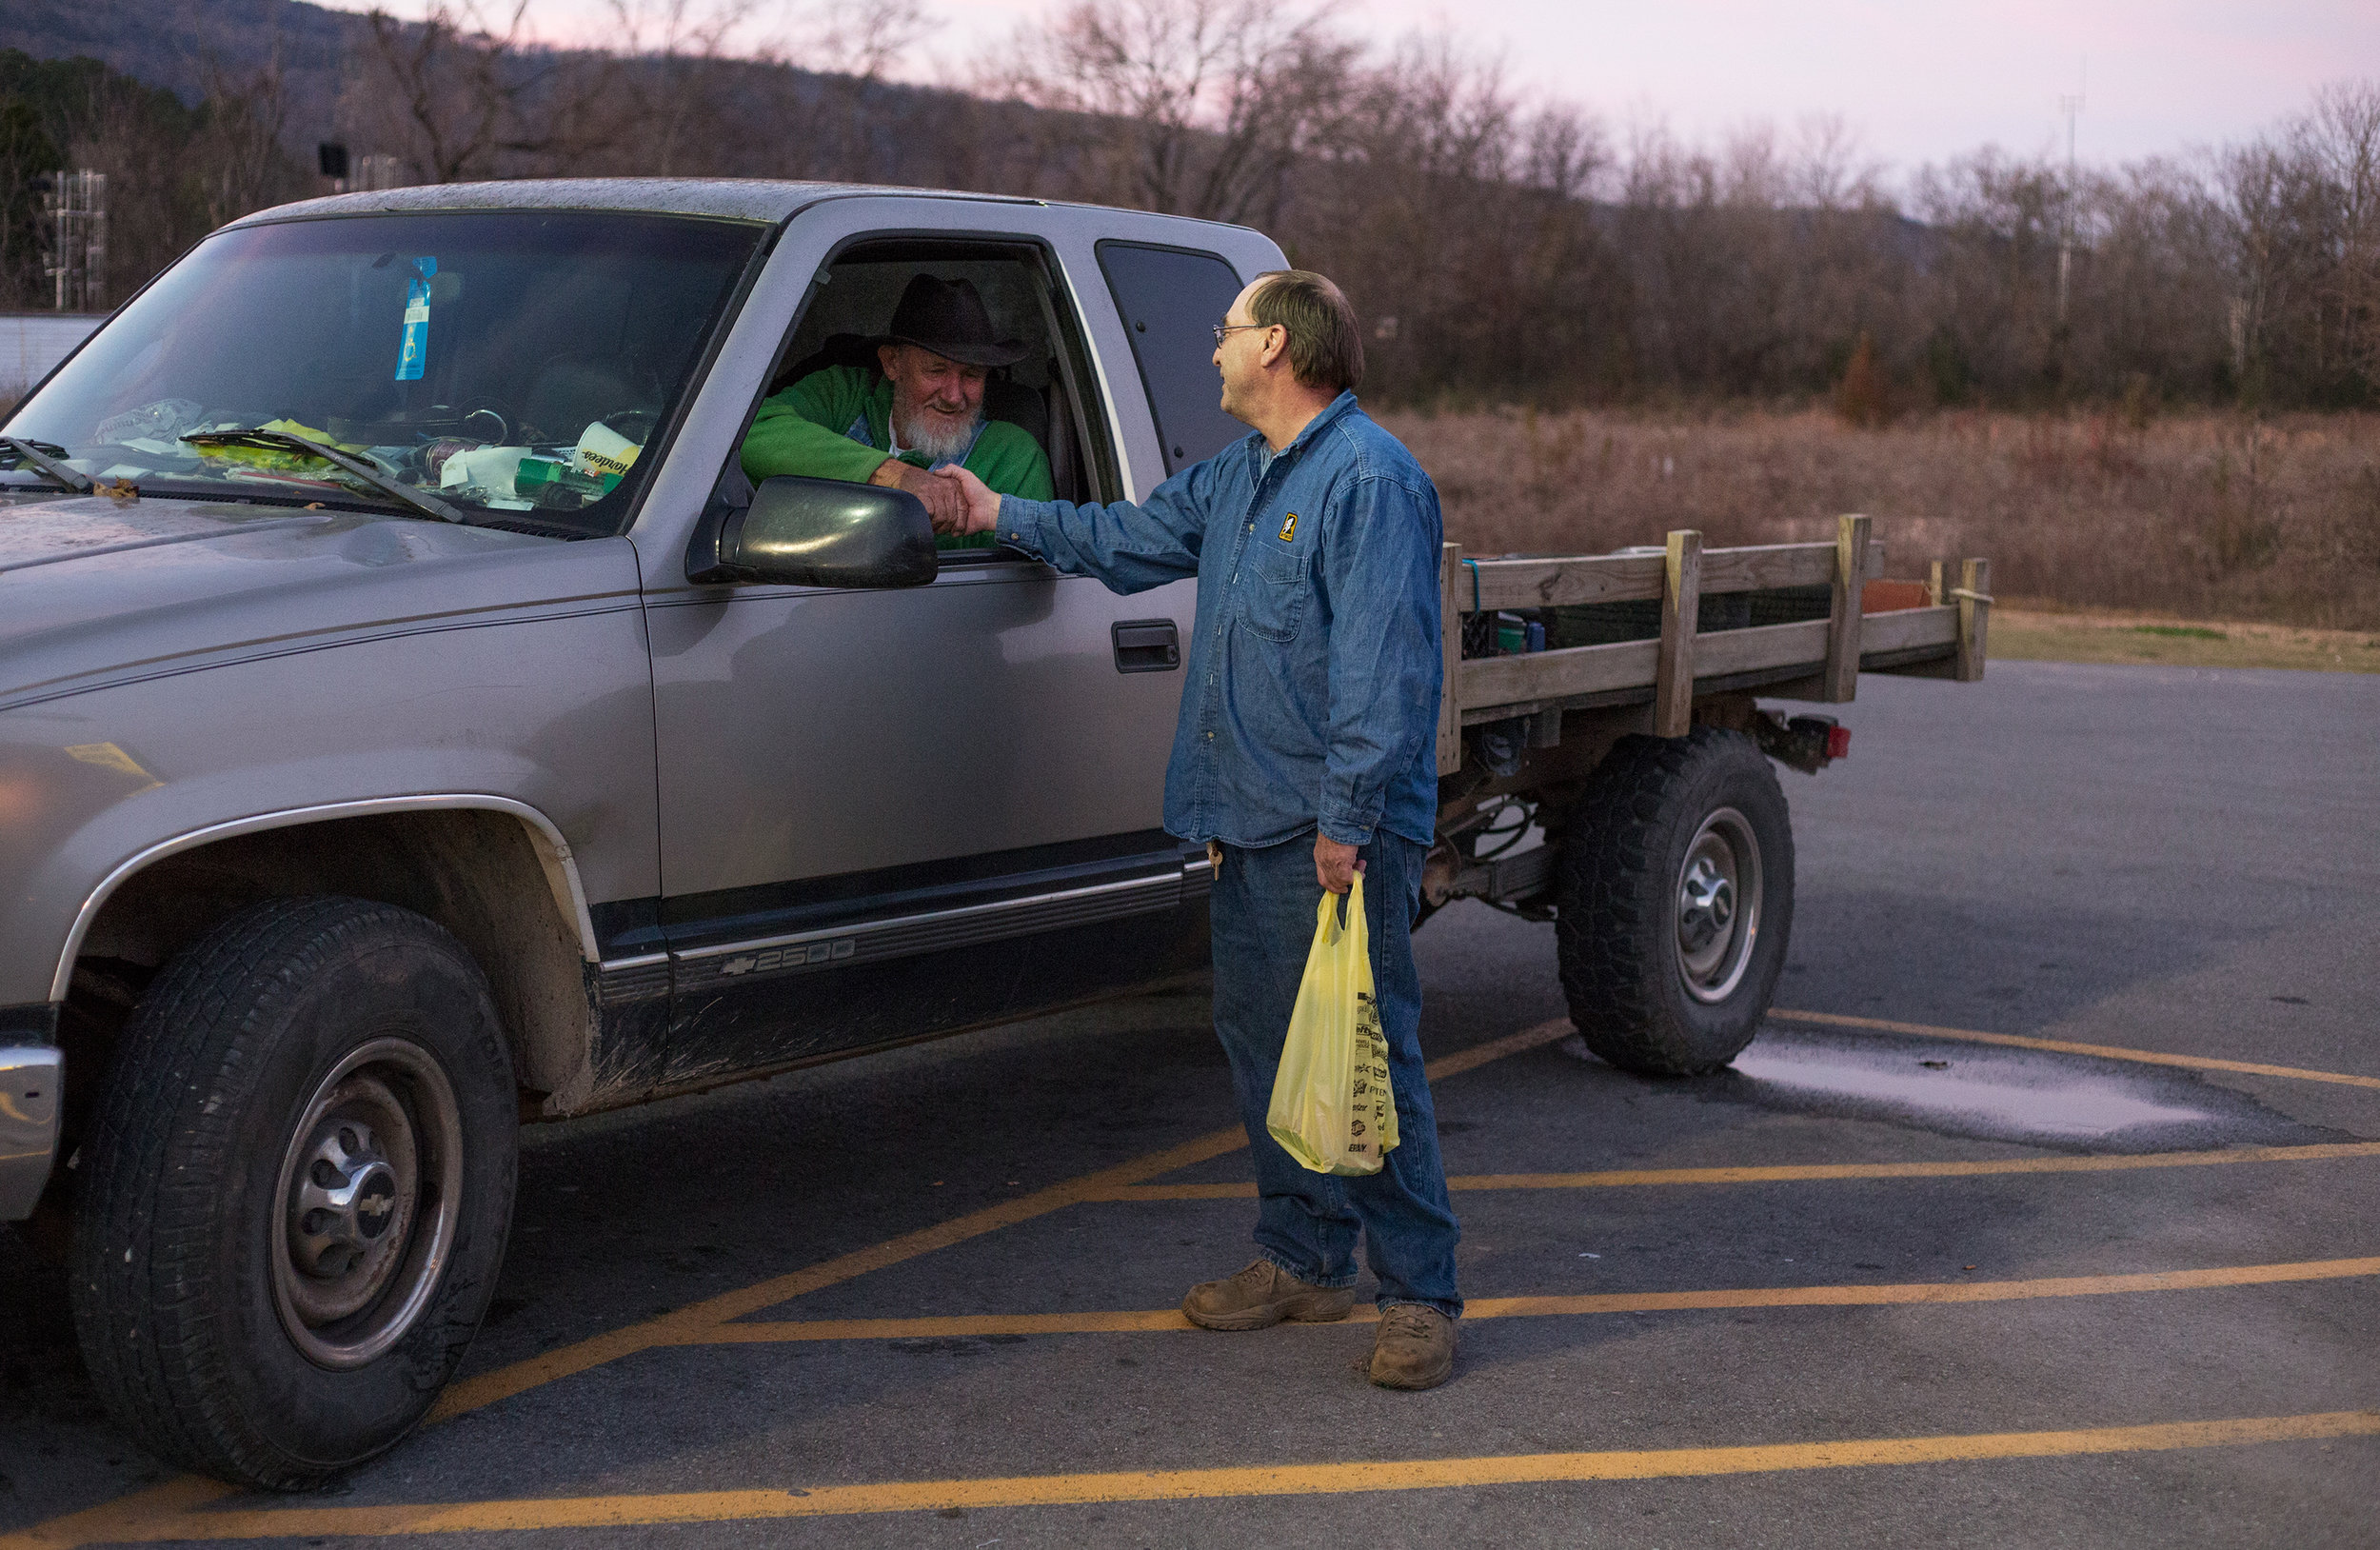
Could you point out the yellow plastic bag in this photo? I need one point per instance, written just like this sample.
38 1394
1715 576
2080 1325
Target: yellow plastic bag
1332 1108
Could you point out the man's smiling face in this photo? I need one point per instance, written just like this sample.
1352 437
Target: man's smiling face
936 400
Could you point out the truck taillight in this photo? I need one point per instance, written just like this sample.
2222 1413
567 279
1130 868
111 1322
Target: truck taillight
1804 742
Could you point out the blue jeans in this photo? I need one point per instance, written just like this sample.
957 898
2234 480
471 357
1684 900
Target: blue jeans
1263 912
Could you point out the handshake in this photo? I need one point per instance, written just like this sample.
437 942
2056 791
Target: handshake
958 502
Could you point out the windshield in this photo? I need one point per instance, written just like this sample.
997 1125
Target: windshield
512 364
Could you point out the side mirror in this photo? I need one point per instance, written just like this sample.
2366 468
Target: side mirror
817 532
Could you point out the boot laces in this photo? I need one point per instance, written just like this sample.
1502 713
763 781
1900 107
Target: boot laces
1258 1271
1407 1320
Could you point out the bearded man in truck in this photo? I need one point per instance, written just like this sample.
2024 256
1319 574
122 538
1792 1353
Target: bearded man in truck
1305 757
922 410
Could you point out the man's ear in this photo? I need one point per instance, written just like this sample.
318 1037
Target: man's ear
1273 348
886 356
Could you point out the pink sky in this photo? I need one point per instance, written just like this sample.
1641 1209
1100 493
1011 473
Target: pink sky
1917 81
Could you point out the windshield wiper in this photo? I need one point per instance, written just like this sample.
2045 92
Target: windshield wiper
429 505
49 468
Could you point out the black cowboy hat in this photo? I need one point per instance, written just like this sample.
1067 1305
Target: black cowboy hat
948 317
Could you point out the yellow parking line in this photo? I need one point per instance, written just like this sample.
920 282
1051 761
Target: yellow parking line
776 1331
126 1520
696 1319
692 1322
1875 1294
149 1515
1253 1481
2059 1047
1950 1291
1805 1172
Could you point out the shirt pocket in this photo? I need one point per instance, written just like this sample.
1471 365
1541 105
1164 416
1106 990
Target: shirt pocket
1274 600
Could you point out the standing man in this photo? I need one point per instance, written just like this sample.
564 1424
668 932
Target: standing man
1305 758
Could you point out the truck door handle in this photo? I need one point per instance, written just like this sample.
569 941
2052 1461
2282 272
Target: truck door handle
1147 645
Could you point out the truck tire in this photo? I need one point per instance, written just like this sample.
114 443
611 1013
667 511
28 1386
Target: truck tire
300 1183
1674 896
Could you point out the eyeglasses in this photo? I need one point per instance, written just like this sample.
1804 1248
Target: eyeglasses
1223 328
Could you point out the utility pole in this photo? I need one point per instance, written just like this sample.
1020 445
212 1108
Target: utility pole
78 209
2071 107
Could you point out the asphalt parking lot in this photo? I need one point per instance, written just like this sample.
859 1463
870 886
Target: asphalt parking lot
2043 1213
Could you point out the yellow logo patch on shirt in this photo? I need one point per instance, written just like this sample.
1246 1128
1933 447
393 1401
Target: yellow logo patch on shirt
1289 528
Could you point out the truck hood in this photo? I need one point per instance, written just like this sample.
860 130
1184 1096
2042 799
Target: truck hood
95 590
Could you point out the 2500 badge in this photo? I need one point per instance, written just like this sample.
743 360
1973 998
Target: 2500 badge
800 955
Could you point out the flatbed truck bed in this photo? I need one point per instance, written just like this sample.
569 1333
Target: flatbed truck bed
1666 860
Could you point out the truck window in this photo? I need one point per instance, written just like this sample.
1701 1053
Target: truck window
1040 393
512 364
1170 298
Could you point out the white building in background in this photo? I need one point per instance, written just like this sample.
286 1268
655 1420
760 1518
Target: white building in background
32 343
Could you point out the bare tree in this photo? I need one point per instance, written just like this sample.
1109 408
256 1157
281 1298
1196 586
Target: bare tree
1996 223
121 132
1564 152
2298 210
236 156
864 38
1830 168
674 44
26 155
467 94
1205 104
1754 170
1498 244
2341 138
1453 212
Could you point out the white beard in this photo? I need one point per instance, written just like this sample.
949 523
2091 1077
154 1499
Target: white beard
920 432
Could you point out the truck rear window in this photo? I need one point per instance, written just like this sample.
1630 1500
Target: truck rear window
1170 298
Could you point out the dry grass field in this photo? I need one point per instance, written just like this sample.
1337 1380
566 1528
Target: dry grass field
2200 517
2111 540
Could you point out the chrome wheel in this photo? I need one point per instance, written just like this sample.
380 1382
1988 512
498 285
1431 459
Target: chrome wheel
1719 906
369 1192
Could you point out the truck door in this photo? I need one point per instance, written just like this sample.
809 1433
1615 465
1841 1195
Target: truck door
885 813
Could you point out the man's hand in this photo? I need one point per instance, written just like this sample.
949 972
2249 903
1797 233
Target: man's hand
1334 865
983 506
945 507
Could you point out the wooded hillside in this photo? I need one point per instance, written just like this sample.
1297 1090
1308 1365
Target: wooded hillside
1503 248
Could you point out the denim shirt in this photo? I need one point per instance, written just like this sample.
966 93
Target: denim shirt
1312 692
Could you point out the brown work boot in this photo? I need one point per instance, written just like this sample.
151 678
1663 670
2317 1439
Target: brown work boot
1261 1295
1413 1348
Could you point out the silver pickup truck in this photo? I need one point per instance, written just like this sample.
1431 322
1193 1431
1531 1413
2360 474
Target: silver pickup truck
413 722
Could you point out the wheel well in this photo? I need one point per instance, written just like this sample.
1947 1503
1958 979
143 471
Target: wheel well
476 872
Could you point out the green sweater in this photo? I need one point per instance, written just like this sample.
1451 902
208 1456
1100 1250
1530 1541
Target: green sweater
801 432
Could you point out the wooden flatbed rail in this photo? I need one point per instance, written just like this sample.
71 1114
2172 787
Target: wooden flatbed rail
1816 659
